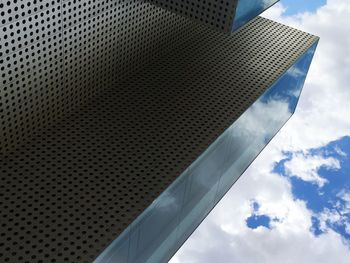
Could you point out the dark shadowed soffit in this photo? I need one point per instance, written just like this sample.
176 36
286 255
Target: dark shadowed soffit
74 185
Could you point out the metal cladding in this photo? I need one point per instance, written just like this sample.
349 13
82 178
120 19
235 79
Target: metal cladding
224 15
217 14
104 103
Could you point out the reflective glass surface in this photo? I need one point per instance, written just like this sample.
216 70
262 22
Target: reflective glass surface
248 9
163 227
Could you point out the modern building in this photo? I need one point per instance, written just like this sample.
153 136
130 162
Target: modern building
225 16
123 124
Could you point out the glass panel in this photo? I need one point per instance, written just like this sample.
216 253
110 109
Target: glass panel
248 9
163 227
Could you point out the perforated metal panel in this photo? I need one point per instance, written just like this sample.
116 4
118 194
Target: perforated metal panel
54 55
214 13
104 104
222 15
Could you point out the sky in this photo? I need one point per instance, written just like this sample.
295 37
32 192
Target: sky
293 203
293 7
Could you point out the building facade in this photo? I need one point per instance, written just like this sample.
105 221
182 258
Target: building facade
124 123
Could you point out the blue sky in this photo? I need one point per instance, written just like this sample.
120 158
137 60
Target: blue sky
293 203
330 198
296 6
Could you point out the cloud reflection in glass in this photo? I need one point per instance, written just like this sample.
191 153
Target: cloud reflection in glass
163 227
248 9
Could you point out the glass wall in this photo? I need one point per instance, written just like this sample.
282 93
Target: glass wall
248 9
163 227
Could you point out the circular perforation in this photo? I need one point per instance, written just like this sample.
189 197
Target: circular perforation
14 10
218 14
100 116
30 29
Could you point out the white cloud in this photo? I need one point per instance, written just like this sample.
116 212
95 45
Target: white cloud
252 124
345 196
322 116
347 228
330 216
289 239
340 152
306 166
322 113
